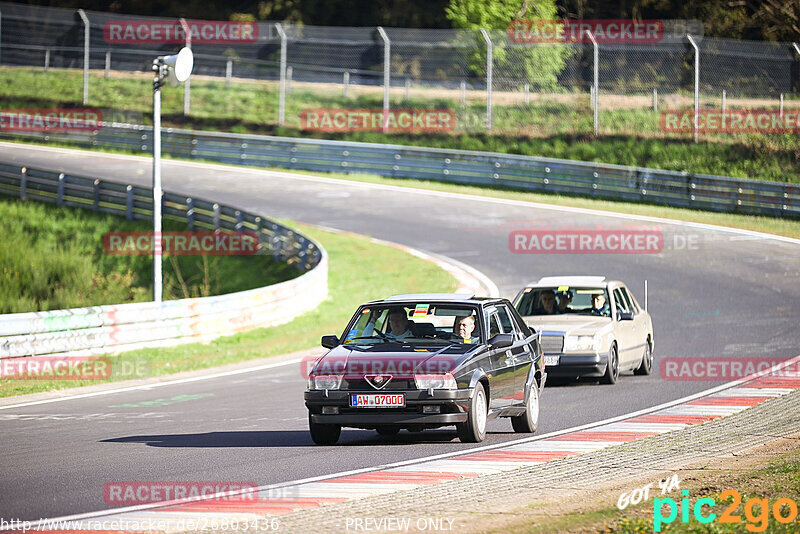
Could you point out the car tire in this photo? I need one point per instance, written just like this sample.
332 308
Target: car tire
473 430
646 367
529 421
388 430
323 434
612 369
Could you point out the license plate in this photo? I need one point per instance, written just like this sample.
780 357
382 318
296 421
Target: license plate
550 360
378 401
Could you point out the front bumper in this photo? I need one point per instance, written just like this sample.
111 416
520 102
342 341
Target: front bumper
453 405
579 364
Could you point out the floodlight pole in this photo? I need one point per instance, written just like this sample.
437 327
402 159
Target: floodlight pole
157 276
187 88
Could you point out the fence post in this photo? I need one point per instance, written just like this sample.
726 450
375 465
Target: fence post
489 65
781 108
46 59
85 56
190 213
228 72
345 83
696 85
527 93
1 37
108 63
387 80
289 74
23 184
655 99
129 203
60 195
282 97
595 81
724 99
408 88
797 49
463 93
187 88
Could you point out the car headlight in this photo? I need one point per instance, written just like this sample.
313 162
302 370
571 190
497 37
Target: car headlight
445 381
582 343
325 382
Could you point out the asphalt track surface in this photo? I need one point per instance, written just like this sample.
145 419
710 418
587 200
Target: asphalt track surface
725 295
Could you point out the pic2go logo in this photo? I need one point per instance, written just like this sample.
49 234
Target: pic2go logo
756 511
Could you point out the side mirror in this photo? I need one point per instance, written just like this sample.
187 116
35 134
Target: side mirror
330 341
501 341
624 316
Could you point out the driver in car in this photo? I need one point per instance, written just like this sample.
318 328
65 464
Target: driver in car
463 327
399 325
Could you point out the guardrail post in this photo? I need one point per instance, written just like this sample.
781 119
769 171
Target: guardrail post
239 221
216 216
595 81
46 59
387 80
190 213
345 83
108 63
96 188
489 65
85 56
187 88
60 194
129 202
696 86
282 96
228 72
23 184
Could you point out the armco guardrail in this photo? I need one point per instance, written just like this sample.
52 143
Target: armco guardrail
104 329
598 180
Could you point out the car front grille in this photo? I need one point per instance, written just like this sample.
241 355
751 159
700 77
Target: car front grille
552 344
396 384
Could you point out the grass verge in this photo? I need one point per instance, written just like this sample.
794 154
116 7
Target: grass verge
549 127
52 257
390 271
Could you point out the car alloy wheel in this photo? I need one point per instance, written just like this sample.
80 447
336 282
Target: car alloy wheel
612 369
529 421
473 430
646 367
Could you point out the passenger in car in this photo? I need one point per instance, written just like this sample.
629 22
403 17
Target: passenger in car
564 300
464 326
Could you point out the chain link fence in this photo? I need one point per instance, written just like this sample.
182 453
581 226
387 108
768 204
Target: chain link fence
525 89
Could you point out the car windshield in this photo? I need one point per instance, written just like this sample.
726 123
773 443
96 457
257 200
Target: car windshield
415 323
563 300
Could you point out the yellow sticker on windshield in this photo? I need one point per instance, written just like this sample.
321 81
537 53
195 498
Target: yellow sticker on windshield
563 288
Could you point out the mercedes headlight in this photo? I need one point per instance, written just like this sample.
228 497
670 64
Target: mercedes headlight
582 343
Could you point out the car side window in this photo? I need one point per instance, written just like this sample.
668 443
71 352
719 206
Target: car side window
622 305
505 320
630 300
494 325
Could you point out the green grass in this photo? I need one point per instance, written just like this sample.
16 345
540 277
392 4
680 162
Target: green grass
549 129
53 258
390 271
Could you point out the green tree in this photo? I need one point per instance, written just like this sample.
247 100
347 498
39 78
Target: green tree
536 63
